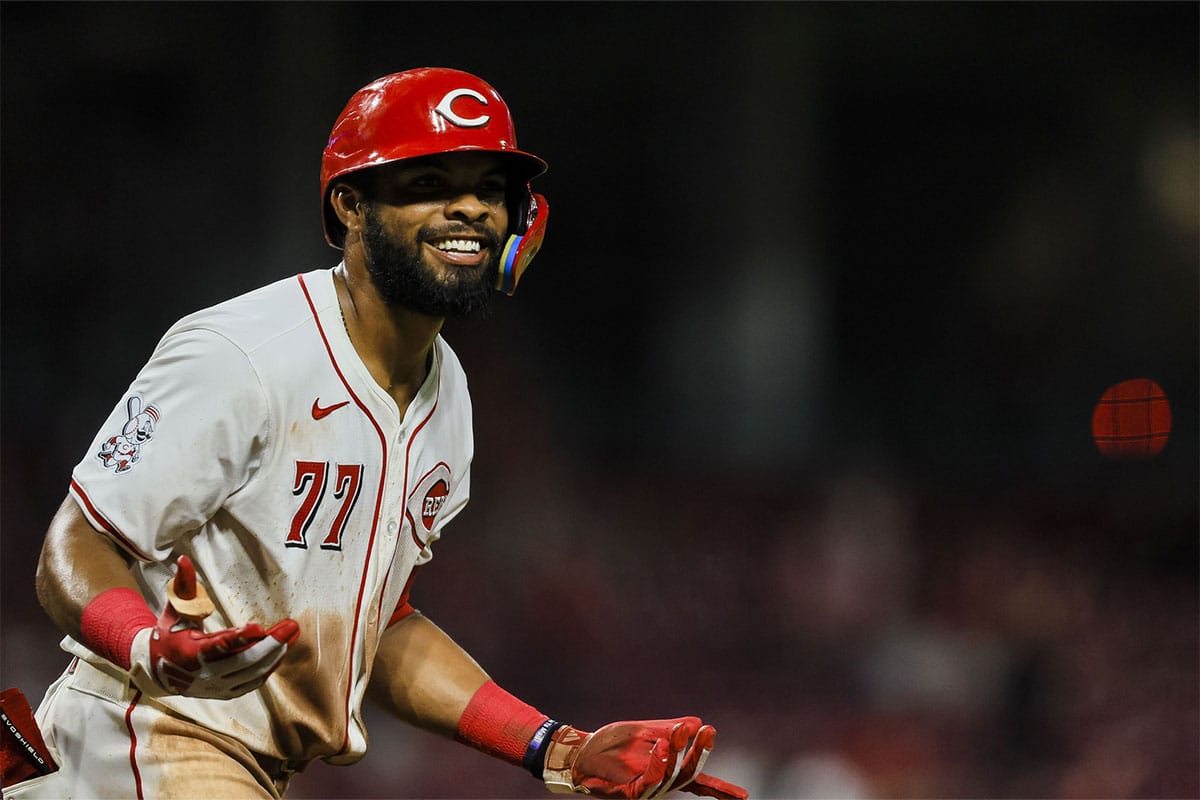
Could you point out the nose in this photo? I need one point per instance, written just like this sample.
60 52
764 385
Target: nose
467 207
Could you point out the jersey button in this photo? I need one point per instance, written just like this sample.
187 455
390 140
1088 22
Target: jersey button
392 526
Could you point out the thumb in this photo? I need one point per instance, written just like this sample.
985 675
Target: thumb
185 579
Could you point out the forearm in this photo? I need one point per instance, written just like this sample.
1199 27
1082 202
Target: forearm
422 676
85 586
77 563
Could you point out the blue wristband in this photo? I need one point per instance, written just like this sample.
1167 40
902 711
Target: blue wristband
535 753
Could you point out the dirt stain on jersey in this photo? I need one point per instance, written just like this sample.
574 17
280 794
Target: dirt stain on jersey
184 760
306 696
299 432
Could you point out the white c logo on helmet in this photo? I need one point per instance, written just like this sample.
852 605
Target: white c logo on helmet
444 108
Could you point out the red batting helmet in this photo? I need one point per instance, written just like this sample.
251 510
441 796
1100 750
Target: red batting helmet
426 111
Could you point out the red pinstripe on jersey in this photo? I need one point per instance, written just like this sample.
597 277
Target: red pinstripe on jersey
137 775
407 460
100 522
383 445
383 449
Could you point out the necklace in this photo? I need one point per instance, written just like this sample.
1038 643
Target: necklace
342 312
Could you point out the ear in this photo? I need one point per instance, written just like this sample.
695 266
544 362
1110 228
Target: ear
347 201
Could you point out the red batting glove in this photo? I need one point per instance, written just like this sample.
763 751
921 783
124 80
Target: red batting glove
180 658
631 760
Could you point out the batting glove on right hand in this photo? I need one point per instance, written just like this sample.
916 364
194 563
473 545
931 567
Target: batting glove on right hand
631 760
178 657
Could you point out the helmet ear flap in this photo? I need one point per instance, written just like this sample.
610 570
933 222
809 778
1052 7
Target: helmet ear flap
525 241
520 204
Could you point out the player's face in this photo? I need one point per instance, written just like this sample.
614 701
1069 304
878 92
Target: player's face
433 232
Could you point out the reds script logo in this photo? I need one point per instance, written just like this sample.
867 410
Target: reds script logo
119 453
445 108
426 501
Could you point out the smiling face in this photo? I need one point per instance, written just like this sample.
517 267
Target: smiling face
433 230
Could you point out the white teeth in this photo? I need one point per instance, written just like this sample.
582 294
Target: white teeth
458 245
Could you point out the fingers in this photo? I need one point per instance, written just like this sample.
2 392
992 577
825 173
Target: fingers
184 659
286 631
677 739
647 759
706 785
657 766
219 645
251 668
231 662
686 727
176 679
693 760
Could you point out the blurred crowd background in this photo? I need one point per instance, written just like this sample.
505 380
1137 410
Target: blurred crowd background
789 424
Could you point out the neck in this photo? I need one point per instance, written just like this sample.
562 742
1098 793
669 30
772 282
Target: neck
394 342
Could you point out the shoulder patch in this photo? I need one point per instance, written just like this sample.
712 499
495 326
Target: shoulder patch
122 450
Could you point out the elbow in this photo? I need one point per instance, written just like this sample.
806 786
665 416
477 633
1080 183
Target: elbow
53 575
44 581
41 582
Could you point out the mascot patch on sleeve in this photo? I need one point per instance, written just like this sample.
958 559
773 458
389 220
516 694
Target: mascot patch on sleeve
119 453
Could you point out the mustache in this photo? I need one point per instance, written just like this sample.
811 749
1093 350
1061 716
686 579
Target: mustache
428 232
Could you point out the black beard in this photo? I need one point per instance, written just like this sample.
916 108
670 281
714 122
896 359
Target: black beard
402 279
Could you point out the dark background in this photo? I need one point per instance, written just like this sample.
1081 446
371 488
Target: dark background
789 424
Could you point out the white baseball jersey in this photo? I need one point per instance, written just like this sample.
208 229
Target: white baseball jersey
255 441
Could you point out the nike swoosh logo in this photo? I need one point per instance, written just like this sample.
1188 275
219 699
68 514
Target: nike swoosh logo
320 412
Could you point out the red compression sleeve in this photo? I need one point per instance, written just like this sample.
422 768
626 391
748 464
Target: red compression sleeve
499 724
110 622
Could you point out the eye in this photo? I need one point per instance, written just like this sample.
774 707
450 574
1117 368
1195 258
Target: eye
427 180
493 187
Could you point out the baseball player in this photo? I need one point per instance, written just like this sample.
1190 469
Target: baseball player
233 562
